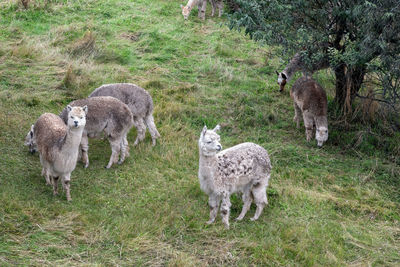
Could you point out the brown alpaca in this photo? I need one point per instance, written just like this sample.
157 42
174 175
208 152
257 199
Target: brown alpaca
310 101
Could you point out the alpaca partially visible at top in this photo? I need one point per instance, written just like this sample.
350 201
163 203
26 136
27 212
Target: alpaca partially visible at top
201 5
297 64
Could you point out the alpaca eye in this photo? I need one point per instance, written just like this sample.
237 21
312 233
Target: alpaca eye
72 117
81 117
209 142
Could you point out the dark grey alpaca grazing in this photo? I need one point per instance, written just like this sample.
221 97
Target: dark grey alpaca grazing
139 102
297 64
310 101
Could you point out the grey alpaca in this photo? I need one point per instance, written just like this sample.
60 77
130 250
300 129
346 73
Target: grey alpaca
310 101
109 115
297 64
58 145
139 102
242 168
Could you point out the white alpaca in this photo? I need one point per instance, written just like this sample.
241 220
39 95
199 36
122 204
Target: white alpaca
109 115
297 64
202 8
242 168
58 145
139 102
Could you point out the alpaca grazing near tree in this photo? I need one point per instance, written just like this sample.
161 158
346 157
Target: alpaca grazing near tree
310 101
201 5
297 64
58 145
242 168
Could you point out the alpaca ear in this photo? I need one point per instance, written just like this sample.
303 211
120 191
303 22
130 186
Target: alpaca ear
85 108
69 108
204 130
284 76
217 128
182 6
277 73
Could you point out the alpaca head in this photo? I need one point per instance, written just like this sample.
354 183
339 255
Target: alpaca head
321 135
77 116
282 78
29 142
209 142
186 11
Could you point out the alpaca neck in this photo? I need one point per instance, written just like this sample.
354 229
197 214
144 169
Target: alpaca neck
294 66
207 168
72 139
321 121
207 164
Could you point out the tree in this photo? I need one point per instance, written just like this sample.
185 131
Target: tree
354 36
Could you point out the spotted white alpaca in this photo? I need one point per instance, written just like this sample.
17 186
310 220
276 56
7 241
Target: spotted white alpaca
297 64
202 4
139 102
242 168
310 101
58 145
109 115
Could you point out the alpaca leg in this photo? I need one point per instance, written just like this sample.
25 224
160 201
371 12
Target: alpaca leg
202 9
115 149
225 209
54 182
46 175
149 121
308 124
259 192
297 114
247 199
126 145
65 180
220 5
213 202
124 149
141 130
213 5
85 148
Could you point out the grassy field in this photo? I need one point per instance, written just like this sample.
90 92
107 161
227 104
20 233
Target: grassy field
333 206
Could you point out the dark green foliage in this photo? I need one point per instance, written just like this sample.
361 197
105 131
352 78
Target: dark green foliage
349 34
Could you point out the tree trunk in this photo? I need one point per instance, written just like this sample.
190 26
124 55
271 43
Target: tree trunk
348 84
340 74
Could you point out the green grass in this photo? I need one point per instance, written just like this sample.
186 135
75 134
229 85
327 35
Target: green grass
328 207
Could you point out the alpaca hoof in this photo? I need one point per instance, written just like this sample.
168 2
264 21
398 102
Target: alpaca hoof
253 219
238 219
120 162
209 222
86 166
226 226
69 199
